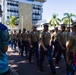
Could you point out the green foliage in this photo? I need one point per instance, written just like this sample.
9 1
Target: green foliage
54 21
12 22
67 19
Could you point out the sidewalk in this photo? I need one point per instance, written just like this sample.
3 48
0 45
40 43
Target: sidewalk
12 70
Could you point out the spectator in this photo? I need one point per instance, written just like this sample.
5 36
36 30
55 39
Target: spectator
4 41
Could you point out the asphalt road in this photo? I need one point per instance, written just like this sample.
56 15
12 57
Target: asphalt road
23 67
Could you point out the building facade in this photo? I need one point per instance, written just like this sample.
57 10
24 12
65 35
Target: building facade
27 12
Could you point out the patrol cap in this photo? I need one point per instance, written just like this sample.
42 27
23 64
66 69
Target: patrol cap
63 25
34 26
19 30
56 28
45 25
14 30
73 24
24 29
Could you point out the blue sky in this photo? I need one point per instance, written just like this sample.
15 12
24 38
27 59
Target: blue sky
59 7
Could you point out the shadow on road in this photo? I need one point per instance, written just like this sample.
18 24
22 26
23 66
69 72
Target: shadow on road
23 67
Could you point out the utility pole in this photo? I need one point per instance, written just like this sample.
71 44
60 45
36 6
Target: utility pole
22 23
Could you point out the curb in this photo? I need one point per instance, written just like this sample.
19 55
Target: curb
13 71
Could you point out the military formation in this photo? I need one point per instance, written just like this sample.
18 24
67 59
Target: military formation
52 44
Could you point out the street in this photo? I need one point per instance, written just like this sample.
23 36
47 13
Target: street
23 67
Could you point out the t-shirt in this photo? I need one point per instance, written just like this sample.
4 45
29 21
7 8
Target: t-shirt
4 40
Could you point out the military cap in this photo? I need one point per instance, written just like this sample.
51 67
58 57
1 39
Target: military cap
24 29
34 26
56 28
45 25
14 30
63 25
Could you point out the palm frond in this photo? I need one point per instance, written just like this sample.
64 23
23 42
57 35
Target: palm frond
64 18
59 19
66 14
73 15
12 21
57 22
65 22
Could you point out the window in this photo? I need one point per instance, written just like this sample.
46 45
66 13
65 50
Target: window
12 11
7 10
7 16
12 4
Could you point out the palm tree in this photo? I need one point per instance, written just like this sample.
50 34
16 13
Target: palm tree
12 22
67 19
54 21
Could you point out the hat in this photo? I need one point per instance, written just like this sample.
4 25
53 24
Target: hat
73 24
56 28
34 26
63 25
45 25
24 29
